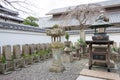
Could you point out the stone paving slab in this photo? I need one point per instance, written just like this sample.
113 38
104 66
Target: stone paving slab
88 78
100 74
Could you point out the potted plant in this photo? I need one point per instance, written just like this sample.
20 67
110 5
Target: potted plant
67 42
67 36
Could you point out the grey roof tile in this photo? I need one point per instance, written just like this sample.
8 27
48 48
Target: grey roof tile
104 3
114 17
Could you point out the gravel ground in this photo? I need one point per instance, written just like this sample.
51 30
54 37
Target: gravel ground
40 71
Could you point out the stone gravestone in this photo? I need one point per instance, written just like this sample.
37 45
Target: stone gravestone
18 61
35 46
31 48
43 46
36 50
7 54
16 51
25 49
26 54
38 47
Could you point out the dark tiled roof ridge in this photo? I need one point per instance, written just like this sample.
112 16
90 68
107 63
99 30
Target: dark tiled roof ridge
20 27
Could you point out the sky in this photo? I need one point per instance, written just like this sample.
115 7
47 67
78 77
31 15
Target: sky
38 8
47 5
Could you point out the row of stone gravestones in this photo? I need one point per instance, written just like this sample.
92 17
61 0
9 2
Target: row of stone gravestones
15 59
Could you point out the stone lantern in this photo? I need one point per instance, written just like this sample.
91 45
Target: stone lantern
99 48
56 46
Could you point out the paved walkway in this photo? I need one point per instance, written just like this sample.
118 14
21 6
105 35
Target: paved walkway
40 71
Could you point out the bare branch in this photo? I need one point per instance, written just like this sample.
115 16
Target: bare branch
19 5
83 13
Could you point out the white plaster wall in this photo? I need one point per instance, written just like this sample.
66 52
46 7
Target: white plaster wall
12 37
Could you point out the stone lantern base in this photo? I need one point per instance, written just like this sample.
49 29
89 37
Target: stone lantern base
56 65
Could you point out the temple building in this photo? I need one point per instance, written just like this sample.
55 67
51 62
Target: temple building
112 8
9 15
10 20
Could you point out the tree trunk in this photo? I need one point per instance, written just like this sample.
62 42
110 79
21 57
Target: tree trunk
82 34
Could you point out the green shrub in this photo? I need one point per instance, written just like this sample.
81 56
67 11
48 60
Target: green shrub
115 49
35 55
81 42
55 26
26 56
41 53
44 52
3 60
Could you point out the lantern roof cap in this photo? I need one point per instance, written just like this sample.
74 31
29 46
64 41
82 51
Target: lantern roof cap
101 22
